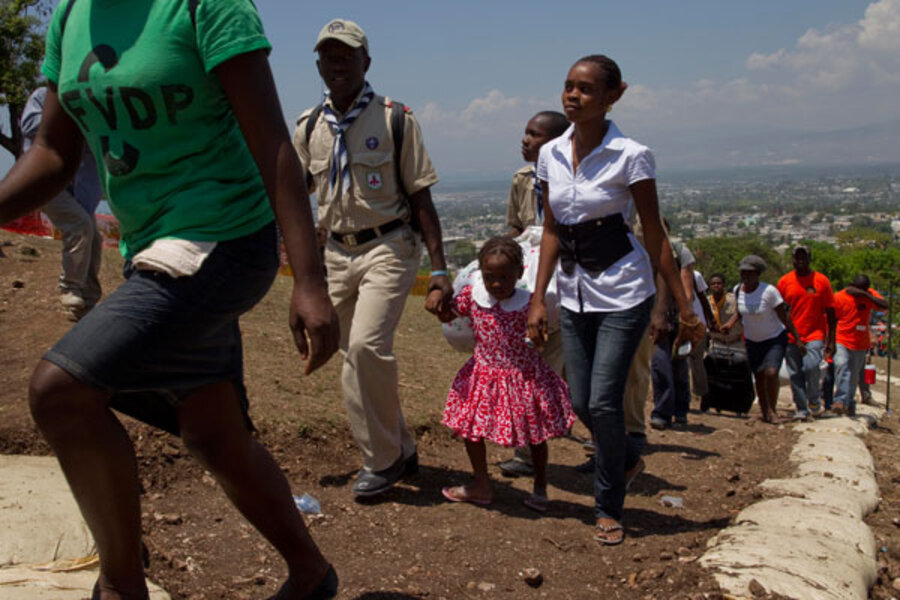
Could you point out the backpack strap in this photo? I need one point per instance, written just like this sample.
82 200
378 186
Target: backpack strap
398 127
311 121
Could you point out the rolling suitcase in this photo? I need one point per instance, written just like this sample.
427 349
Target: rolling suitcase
730 380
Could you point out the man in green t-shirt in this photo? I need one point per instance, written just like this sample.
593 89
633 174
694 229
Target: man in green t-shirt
176 101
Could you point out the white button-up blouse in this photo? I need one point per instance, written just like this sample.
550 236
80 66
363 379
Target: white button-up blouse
599 188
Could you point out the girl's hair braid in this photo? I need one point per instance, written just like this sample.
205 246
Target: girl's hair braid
505 246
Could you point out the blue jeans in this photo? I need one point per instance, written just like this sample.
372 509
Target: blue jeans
828 386
156 339
847 366
671 382
804 373
598 348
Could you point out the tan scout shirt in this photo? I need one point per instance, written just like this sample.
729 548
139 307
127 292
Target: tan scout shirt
522 204
373 198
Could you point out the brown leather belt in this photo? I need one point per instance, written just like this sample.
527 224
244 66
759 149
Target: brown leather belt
366 235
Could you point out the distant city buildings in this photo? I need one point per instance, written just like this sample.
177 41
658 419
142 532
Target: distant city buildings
781 211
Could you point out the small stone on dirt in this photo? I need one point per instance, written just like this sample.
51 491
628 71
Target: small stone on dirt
18 284
168 518
756 588
484 586
171 451
532 577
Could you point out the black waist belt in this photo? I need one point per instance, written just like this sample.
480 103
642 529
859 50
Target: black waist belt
595 245
366 235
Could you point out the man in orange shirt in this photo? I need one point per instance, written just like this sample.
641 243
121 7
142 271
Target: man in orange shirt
811 301
853 307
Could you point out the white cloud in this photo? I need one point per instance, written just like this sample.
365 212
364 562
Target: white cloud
865 52
881 27
840 77
484 116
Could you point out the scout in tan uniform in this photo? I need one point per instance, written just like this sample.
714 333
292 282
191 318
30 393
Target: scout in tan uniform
522 206
367 202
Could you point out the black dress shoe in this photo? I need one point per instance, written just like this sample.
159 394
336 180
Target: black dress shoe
324 591
372 483
411 465
587 466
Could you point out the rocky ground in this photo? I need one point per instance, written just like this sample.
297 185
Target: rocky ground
410 543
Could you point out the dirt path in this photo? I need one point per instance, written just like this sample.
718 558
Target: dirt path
410 543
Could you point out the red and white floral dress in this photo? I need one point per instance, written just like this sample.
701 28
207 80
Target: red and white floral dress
506 392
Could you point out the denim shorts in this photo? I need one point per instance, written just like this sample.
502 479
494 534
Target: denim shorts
156 338
766 354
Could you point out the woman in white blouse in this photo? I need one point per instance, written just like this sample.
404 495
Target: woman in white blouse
593 179
763 313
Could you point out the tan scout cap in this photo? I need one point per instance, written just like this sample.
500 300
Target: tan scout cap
344 31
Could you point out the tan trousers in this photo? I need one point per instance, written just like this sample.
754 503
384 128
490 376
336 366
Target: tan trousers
699 381
637 387
369 285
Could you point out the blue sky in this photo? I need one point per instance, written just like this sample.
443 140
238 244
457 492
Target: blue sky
711 83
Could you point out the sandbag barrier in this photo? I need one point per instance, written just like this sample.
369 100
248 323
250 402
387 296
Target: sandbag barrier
807 540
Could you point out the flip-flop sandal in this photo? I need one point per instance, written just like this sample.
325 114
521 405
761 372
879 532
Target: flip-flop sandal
451 494
536 503
602 533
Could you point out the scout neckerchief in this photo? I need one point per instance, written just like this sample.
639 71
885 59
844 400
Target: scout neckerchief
538 196
340 165
718 305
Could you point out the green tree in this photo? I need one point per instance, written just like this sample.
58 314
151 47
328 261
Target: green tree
462 253
722 255
21 51
863 237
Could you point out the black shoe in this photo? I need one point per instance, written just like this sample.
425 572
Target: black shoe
372 483
327 589
587 466
516 468
658 424
411 465
324 591
680 424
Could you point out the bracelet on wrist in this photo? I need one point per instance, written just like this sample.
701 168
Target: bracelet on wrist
696 321
439 273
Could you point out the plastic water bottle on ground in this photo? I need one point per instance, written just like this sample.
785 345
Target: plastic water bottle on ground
307 505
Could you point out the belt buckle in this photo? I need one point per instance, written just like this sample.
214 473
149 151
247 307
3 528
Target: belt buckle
349 239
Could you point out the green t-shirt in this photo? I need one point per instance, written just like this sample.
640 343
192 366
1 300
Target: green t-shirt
136 77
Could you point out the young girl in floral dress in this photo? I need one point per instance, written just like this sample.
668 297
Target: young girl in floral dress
506 392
